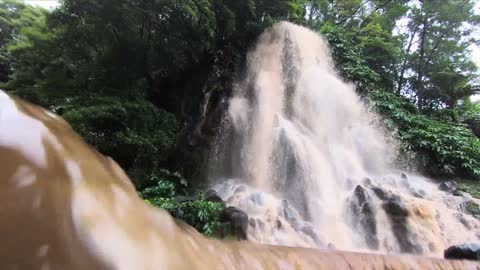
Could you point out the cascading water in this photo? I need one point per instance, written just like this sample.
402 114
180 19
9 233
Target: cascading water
305 159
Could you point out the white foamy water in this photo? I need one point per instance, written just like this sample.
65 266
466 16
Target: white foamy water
306 161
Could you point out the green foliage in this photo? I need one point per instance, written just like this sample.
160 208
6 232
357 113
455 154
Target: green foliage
442 148
170 193
135 133
348 58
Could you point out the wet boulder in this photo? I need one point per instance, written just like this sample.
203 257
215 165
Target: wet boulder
237 221
290 214
212 196
363 213
398 213
395 208
384 195
469 251
449 186
367 181
472 208
360 194
309 230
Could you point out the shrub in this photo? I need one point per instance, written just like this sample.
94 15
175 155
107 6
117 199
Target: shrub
170 192
441 147
135 133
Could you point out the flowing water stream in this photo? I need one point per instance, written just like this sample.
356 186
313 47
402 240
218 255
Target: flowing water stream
302 155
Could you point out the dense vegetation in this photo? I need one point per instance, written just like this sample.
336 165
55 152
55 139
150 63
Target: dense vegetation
132 77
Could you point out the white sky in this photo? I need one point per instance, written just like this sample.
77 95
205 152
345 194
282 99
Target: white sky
48 4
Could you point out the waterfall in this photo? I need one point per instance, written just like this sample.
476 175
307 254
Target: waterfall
305 158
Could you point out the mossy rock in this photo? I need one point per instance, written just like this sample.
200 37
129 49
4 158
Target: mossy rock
472 208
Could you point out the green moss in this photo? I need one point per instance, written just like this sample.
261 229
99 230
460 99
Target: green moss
470 187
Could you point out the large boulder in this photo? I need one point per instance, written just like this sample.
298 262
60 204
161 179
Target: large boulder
363 213
469 251
309 230
398 214
212 196
237 221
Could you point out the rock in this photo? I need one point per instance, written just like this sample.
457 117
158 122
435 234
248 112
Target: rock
395 208
420 193
364 214
241 188
184 199
367 181
256 198
252 223
360 194
472 208
212 196
238 221
404 176
290 215
398 214
449 186
279 224
331 246
469 251
384 195
308 229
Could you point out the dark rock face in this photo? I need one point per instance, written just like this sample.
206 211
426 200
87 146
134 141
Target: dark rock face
238 221
380 193
290 215
363 213
212 196
449 186
395 208
310 231
468 251
398 214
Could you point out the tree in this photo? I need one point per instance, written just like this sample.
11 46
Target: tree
15 16
439 30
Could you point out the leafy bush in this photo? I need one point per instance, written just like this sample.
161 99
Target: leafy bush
135 133
442 148
170 193
200 214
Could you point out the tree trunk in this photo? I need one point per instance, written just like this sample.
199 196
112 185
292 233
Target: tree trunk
405 60
421 64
